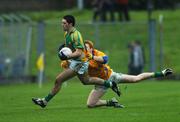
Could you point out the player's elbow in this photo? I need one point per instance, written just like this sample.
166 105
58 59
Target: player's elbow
105 59
76 54
79 52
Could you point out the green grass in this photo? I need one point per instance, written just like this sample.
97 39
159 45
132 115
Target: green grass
145 102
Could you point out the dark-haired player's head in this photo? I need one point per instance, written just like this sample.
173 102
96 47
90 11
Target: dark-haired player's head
70 19
68 22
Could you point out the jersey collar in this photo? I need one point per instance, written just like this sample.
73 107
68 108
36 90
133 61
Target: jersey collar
73 29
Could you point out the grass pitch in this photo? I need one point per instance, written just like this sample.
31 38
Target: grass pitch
145 102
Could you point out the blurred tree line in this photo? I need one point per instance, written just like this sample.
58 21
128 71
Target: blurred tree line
142 4
11 5
157 4
37 5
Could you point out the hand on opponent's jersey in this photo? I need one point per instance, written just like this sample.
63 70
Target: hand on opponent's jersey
90 56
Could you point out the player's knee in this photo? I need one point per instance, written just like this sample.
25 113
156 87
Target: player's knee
84 82
91 105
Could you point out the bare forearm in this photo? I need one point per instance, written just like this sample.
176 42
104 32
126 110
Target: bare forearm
75 54
98 59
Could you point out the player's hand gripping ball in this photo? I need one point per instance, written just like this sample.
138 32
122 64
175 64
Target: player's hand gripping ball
64 53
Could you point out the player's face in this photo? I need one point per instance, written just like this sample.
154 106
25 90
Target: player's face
88 48
65 25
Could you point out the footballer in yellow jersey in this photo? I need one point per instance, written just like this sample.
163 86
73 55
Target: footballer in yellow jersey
98 67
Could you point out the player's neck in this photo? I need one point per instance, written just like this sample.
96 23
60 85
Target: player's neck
71 29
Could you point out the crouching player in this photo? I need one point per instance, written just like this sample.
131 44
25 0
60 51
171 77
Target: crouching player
98 68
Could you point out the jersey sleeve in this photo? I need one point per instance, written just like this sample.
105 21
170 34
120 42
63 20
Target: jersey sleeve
99 53
103 55
97 69
78 40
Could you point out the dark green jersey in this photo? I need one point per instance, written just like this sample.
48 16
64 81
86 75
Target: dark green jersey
74 40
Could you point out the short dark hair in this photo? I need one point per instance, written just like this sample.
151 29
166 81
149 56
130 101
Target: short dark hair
70 19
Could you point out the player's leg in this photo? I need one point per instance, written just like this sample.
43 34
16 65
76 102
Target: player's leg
81 68
82 72
63 76
135 78
94 99
124 78
146 75
86 80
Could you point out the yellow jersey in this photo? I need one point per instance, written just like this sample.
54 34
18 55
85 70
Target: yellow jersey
97 69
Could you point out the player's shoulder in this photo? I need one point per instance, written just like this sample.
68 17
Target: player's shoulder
76 35
98 53
75 31
65 33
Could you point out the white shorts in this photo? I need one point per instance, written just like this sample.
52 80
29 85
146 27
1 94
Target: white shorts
116 77
79 67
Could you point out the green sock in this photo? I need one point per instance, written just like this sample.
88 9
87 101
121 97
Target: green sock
49 97
107 83
158 74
